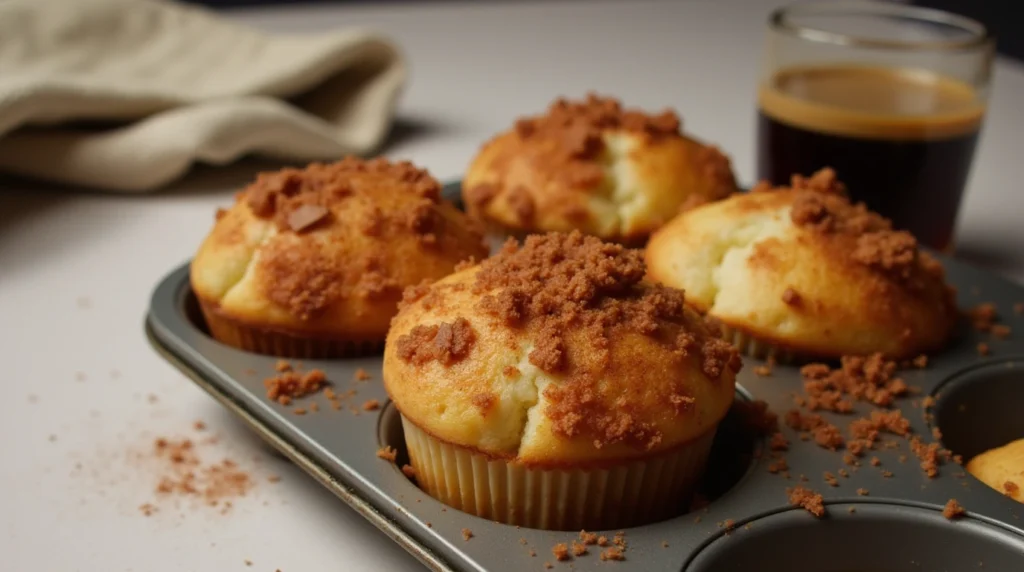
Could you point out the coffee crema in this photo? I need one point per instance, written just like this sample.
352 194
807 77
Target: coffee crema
901 139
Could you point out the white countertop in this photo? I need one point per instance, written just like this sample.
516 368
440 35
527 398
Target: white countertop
77 269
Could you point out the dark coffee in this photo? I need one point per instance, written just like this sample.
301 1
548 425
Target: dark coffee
901 140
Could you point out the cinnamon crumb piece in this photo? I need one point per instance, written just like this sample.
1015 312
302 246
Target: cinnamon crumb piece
862 492
875 462
763 370
371 405
886 474
588 537
851 510
928 402
199 426
362 375
282 366
664 544
807 499
147 509
409 471
920 362
791 297
444 343
843 473
983 316
248 562
602 541
522 541
953 510
1010 488
561 551
467 534
831 479
803 478
928 454
612 554
273 479
1001 331
289 385
696 520
778 442
532 553
548 565
388 453
984 349
578 549
299 411
777 466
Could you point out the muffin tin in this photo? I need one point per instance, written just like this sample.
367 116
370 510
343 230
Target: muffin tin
898 527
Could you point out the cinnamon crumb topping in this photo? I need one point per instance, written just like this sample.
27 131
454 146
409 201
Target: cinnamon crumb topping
388 453
588 538
289 384
612 553
983 316
561 551
791 297
953 510
870 378
578 549
467 534
1010 488
445 343
807 499
371 405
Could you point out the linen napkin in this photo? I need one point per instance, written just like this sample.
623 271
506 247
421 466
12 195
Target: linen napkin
125 95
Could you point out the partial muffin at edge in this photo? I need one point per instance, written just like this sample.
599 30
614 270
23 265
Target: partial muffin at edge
802 272
312 262
1001 468
592 166
554 360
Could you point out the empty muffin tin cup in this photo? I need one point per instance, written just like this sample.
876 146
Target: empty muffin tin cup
980 408
874 538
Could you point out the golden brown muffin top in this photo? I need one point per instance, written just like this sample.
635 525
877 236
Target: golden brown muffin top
855 233
574 296
353 229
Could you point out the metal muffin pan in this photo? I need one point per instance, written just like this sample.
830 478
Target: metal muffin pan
898 527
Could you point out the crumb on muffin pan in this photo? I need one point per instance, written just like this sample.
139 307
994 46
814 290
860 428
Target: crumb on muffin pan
808 456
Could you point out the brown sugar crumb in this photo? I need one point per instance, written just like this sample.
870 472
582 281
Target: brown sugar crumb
807 499
467 534
588 538
602 541
870 379
886 474
791 297
983 316
984 349
862 492
445 343
532 553
299 411
558 283
843 473
248 562
928 402
920 362
824 433
1010 488
147 509
185 474
273 479
289 385
778 466
388 453
831 479
409 471
282 366
371 405
578 548
362 375
1001 331
936 433
953 510
561 551
763 371
778 442
612 553
875 462
548 565
928 455
199 426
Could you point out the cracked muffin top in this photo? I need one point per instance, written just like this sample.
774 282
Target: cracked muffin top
557 353
325 251
593 166
807 270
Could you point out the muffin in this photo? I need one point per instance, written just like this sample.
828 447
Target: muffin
312 262
1001 468
800 272
595 167
551 387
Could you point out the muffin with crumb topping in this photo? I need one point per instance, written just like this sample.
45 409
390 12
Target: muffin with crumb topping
592 166
800 271
550 386
312 262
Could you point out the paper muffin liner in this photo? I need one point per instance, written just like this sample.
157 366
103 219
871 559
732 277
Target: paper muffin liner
757 348
282 344
630 494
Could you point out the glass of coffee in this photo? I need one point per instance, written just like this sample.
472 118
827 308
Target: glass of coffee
889 95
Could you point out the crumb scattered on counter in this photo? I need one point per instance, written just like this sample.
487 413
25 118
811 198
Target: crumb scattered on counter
612 553
561 551
291 384
466 533
371 405
362 375
578 548
831 479
588 537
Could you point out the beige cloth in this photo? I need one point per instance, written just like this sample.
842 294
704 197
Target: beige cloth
125 95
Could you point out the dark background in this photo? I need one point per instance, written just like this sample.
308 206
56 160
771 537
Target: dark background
1005 18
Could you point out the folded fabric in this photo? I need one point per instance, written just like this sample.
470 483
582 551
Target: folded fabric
125 95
